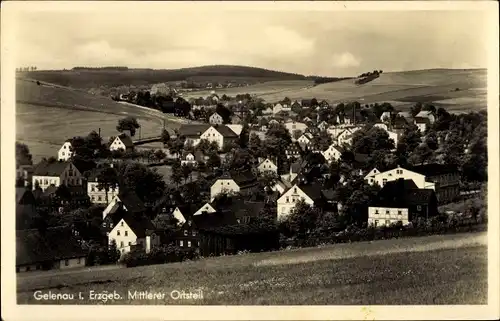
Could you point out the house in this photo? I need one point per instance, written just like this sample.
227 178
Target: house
192 133
312 194
393 174
184 212
344 137
205 209
57 199
52 248
296 168
295 105
401 201
220 134
234 183
56 173
65 152
293 127
122 142
371 174
131 232
267 111
386 116
216 119
324 104
267 165
24 174
305 140
26 211
446 180
96 195
292 151
235 119
277 108
430 115
333 153
130 201
323 126
192 159
422 123
236 128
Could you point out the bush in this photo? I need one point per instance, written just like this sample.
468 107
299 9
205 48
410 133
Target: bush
160 255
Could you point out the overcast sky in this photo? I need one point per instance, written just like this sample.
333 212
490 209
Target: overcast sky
320 43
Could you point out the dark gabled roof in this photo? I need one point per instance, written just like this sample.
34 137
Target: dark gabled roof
306 102
430 170
298 166
193 130
126 140
34 246
44 168
131 201
24 196
225 131
243 178
83 165
238 206
139 224
312 190
212 221
402 193
188 210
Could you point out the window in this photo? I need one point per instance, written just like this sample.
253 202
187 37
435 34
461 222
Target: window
107 233
121 224
66 262
400 222
222 183
92 188
227 183
400 213
371 180
376 222
189 243
198 243
63 153
104 224
118 232
121 243
194 233
111 225
181 243
288 200
384 181
295 189
376 211
126 233
99 198
129 243
45 182
185 233
419 208
386 212
387 222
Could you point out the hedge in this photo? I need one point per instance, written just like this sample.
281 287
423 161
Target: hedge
161 255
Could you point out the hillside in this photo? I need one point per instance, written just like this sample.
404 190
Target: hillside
437 86
94 78
47 115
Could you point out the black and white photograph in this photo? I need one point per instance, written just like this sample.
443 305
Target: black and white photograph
251 154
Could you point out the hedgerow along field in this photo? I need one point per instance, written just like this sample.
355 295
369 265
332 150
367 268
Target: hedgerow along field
47 115
439 269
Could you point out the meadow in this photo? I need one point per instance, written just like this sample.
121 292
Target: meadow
439 269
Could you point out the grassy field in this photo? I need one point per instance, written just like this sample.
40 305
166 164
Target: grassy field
47 115
450 269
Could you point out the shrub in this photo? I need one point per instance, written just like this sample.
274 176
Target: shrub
160 255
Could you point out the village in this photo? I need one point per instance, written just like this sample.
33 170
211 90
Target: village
245 176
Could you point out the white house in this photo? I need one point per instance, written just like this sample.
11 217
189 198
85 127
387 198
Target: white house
333 153
192 133
207 208
323 125
386 116
427 114
220 134
56 173
267 166
385 216
236 128
122 142
232 183
421 123
129 232
396 173
65 152
344 138
286 202
216 119
96 195
371 174
305 139
394 136
293 126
